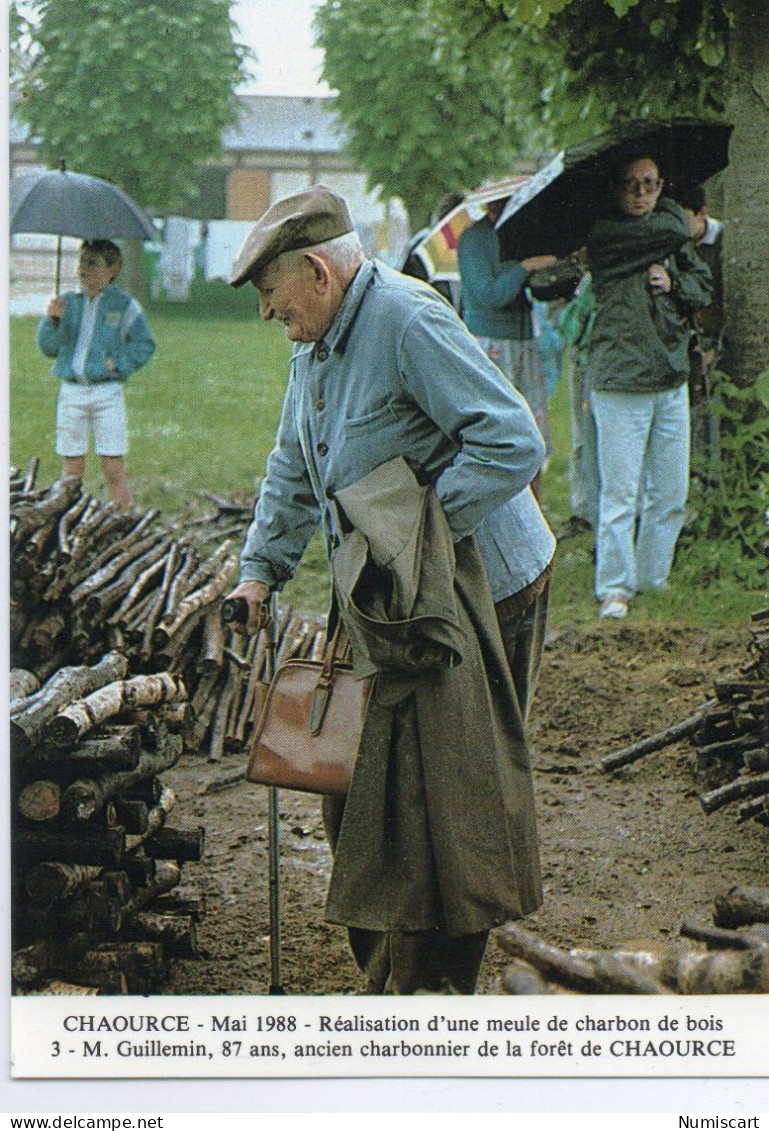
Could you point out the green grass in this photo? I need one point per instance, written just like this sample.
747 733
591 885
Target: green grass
202 418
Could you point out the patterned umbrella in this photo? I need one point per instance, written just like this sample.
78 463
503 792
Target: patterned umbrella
437 251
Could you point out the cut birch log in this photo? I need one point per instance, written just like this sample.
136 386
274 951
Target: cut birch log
87 796
724 972
57 988
111 747
137 587
31 718
32 962
193 603
178 902
155 609
177 934
520 978
736 790
141 964
50 881
175 844
166 878
40 800
75 720
21 685
716 938
103 846
132 815
97 913
597 973
155 820
116 564
658 741
740 907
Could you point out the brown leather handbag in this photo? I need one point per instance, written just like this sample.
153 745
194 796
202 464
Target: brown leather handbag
310 727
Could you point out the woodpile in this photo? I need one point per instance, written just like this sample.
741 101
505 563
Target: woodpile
730 734
93 860
703 960
121 665
87 579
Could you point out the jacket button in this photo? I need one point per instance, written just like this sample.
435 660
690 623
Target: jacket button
329 493
322 449
322 354
320 406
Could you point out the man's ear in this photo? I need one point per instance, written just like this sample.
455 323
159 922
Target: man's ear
321 273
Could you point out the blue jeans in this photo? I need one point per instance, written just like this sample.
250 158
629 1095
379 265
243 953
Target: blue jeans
643 457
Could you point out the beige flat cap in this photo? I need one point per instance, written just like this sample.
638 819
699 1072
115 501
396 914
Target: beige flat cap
309 218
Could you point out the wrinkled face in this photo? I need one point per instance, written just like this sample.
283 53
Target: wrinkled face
639 187
294 292
94 272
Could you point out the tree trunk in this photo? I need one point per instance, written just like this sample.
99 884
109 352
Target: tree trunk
746 280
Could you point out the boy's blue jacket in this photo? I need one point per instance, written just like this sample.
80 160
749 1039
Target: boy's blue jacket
120 333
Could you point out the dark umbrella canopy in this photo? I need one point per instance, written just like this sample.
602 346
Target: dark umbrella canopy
555 209
60 203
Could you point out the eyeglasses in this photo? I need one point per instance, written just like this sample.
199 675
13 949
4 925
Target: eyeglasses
647 185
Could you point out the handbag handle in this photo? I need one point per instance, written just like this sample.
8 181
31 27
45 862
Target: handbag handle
325 684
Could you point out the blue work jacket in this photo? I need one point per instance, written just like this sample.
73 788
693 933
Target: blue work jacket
398 374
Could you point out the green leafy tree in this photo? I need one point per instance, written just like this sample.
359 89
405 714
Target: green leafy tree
663 58
426 116
135 93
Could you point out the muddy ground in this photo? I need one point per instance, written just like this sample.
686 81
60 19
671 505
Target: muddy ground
626 856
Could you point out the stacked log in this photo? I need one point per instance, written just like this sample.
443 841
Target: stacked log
719 962
93 860
730 734
86 579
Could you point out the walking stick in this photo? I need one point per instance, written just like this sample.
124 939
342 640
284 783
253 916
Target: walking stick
273 827
236 609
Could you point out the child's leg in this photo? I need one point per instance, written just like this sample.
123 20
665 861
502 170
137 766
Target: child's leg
110 434
73 467
114 472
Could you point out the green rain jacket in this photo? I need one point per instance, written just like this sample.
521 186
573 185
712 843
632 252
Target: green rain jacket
640 338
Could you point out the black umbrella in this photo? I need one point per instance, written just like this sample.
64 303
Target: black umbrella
61 203
555 209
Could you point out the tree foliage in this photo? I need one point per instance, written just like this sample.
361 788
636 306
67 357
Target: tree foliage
425 114
613 59
136 93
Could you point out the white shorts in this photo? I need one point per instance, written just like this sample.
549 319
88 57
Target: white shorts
100 408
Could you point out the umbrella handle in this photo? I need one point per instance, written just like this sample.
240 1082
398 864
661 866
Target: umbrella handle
58 267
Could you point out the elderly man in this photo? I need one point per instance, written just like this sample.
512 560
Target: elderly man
436 842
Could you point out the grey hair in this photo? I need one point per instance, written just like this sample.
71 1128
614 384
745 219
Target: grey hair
345 253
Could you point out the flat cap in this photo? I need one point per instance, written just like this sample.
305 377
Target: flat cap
309 218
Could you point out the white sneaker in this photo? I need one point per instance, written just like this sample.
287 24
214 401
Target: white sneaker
614 607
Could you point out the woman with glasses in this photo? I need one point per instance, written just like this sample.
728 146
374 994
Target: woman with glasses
647 283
